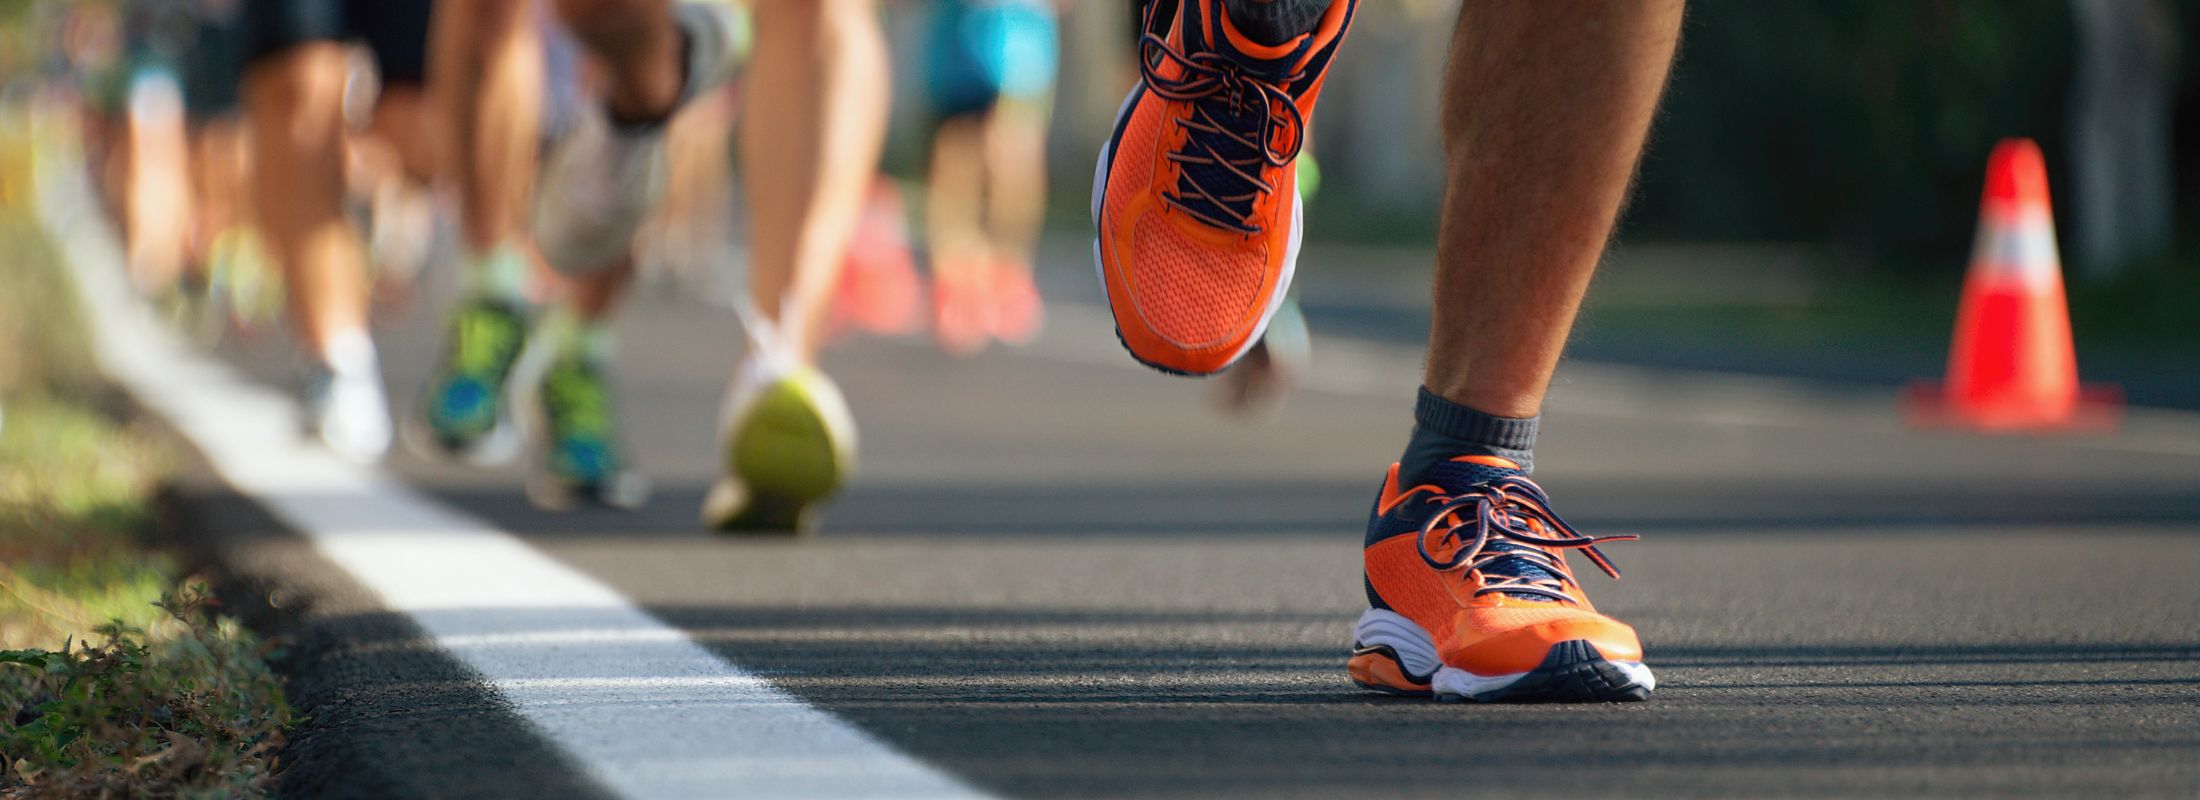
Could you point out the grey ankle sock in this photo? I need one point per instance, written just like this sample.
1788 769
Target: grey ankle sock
1274 22
1444 430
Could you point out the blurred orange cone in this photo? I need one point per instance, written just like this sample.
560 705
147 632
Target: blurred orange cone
2012 367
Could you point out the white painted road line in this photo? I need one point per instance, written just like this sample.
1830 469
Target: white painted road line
647 711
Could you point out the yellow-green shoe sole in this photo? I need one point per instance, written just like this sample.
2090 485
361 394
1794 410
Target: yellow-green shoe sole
785 458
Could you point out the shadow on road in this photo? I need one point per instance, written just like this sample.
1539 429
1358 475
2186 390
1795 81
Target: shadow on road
1128 702
1266 509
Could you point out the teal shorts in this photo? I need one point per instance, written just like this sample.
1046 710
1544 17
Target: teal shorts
983 51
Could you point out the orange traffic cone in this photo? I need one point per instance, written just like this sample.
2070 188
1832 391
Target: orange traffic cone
2012 367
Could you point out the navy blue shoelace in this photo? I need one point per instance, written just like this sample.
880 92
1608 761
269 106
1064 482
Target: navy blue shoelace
1518 544
1232 132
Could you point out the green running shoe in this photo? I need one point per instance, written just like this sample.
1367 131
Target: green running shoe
789 443
578 459
469 412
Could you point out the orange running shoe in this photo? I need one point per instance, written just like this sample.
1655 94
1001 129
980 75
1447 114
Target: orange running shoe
1195 195
1471 597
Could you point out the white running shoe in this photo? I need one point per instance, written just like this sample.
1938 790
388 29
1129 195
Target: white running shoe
602 180
347 411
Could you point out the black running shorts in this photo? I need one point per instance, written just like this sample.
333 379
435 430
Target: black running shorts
395 30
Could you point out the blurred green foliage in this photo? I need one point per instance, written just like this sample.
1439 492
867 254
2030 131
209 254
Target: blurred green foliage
188 712
1864 123
42 347
115 679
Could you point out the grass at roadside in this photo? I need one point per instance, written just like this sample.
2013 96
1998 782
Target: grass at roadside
115 678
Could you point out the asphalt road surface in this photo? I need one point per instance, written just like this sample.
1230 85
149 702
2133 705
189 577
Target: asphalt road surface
1062 575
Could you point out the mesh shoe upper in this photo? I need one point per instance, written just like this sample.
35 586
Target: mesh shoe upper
486 339
1472 553
577 405
1198 214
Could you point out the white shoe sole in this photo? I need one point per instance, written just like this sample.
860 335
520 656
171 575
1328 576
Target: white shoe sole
1573 671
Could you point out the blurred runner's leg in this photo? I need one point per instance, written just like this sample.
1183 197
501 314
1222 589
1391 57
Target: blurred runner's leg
293 91
819 74
955 237
819 68
809 146
602 179
486 78
962 90
398 145
156 207
1015 148
991 66
578 455
501 368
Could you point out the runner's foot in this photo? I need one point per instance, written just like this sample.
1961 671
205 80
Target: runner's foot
1471 597
1196 202
962 313
468 412
342 405
1019 313
1257 383
603 179
580 459
789 443
879 292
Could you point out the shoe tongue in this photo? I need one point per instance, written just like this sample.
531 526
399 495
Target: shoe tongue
1210 178
1275 69
1272 70
1270 63
1240 114
1458 474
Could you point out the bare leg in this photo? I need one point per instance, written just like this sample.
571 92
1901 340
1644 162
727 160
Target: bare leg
954 199
1015 209
954 216
640 51
487 81
689 225
1545 111
295 101
820 68
218 176
639 48
404 120
485 78
593 300
157 196
1016 178
398 151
